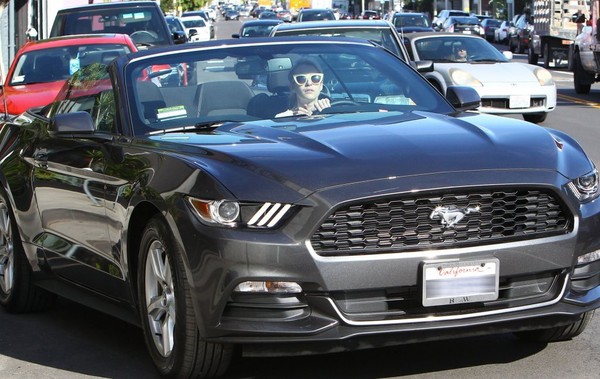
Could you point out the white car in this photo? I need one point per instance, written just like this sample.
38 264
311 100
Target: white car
505 87
196 28
501 33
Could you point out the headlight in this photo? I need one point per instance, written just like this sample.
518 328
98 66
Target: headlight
233 214
463 78
543 76
585 187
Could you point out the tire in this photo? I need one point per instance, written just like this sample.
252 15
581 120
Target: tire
18 294
578 76
511 47
166 305
532 57
535 118
520 47
559 333
547 55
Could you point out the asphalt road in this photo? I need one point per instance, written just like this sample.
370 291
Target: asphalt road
72 341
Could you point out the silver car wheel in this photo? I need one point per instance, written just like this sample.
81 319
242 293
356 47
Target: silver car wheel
6 251
160 298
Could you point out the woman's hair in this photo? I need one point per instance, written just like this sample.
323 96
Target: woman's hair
302 63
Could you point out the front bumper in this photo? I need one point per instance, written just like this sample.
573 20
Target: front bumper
351 301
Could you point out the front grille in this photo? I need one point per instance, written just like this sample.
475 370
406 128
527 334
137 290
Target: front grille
406 223
503 103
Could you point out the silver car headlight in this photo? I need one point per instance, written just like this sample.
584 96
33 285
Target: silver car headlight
585 187
463 78
232 214
543 76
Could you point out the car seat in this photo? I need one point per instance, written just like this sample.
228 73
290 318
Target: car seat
223 97
267 106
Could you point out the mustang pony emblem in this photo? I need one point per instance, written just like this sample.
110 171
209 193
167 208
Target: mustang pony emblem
450 216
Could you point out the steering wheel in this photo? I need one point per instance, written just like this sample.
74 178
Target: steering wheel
343 102
143 36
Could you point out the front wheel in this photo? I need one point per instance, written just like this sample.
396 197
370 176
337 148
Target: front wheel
580 83
535 118
172 336
559 333
17 292
532 57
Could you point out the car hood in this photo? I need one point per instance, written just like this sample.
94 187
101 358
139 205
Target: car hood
21 98
500 72
258 159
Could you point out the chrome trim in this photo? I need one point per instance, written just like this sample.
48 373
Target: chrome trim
452 317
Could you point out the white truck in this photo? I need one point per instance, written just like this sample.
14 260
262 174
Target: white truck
585 53
554 30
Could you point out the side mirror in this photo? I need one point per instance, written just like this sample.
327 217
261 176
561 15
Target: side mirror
424 66
179 37
193 32
76 125
463 98
235 35
507 54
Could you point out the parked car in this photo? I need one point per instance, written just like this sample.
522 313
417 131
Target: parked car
314 14
197 28
438 21
463 25
490 25
256 28
394 214
505 87
378 31
518 41
502 32
143 21
40 68
410 22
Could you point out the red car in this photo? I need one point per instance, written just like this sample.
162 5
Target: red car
40 68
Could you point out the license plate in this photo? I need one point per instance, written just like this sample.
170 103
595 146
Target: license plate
458 282
519 101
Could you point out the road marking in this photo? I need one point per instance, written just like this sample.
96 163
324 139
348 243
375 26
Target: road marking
578 101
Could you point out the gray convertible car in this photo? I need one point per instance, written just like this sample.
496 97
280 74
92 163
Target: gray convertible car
189 191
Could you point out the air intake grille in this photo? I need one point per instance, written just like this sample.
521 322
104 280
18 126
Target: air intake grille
410 223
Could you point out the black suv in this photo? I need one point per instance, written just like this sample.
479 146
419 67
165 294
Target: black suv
143 21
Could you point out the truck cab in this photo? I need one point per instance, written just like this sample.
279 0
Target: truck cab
585 53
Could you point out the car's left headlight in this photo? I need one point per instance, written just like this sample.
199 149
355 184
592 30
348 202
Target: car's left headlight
585 187
231 213
543 76
463 78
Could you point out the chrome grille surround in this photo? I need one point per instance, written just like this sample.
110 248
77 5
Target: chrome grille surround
404 223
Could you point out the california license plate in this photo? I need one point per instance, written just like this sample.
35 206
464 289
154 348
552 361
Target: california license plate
519 101
457 282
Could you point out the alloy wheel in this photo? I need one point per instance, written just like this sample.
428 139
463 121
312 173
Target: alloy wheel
6 251
160 298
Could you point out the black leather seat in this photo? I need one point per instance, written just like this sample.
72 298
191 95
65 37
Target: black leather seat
267 106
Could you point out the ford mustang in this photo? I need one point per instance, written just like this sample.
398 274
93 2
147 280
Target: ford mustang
177 200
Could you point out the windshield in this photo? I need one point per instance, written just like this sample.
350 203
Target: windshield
441 49
411 20
50 65
381 36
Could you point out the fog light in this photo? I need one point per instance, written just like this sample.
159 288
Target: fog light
588 258
268 287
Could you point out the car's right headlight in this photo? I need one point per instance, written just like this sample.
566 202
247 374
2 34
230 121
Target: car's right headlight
585 187
543 76
231 213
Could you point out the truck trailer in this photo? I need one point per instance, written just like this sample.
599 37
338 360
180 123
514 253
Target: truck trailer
554 30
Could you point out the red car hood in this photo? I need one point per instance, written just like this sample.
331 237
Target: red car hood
21 98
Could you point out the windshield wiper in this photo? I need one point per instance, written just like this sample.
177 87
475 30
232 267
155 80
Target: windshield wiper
485 60
201 126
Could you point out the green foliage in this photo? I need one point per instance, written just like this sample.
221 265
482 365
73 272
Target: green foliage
182 5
